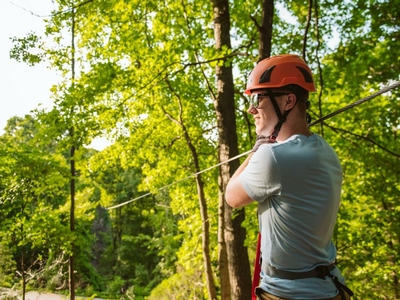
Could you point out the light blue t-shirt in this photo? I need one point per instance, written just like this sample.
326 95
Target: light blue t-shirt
297 184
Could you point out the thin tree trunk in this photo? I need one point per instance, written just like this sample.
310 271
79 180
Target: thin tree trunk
205 234
23 268
231 233
72 226
205 223
222 251
73 172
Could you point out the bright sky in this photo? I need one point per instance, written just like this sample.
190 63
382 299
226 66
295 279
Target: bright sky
23 87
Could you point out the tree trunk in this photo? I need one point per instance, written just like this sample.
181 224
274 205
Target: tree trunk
205 223
234 263
73 172
205 227
265 30
23 271
72 226
205 234
222 251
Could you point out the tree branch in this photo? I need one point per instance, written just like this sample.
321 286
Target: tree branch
310 5
363 138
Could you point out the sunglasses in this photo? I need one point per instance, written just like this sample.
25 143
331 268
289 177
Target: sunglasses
255 98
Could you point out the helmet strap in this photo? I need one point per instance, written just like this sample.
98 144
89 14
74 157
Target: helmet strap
281 117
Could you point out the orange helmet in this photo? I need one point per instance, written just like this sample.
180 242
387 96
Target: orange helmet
278 71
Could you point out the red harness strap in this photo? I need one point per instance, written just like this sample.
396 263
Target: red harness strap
257 269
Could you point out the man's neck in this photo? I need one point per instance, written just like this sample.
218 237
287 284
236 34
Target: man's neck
291 128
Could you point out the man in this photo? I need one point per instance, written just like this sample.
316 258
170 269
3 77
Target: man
296 178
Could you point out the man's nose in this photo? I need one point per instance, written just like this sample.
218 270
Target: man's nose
252 110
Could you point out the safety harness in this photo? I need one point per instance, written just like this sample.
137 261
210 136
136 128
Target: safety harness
321 272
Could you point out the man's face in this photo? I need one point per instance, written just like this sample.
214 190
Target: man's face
262 109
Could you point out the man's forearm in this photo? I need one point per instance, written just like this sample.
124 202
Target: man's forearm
235 194
242 166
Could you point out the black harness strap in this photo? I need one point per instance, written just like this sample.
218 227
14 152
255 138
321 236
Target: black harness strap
319 272
281 118
341 287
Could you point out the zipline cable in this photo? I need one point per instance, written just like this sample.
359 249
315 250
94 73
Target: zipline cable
175 182
382 91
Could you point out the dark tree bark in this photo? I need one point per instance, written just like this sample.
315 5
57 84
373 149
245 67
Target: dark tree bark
265 30
234 260
73 173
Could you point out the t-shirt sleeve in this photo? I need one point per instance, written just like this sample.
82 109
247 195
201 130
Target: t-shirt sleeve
261 178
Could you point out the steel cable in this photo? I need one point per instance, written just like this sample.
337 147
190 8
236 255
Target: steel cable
382 91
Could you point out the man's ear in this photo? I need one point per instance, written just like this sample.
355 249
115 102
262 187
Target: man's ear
290 101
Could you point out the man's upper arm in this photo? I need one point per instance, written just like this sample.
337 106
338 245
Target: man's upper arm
235 195
255 180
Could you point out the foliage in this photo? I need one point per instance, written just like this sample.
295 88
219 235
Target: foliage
144 78
173 288
6 266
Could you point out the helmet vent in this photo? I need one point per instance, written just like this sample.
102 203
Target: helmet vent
266 76
307 76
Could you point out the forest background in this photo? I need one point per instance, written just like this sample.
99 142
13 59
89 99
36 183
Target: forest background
164 81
